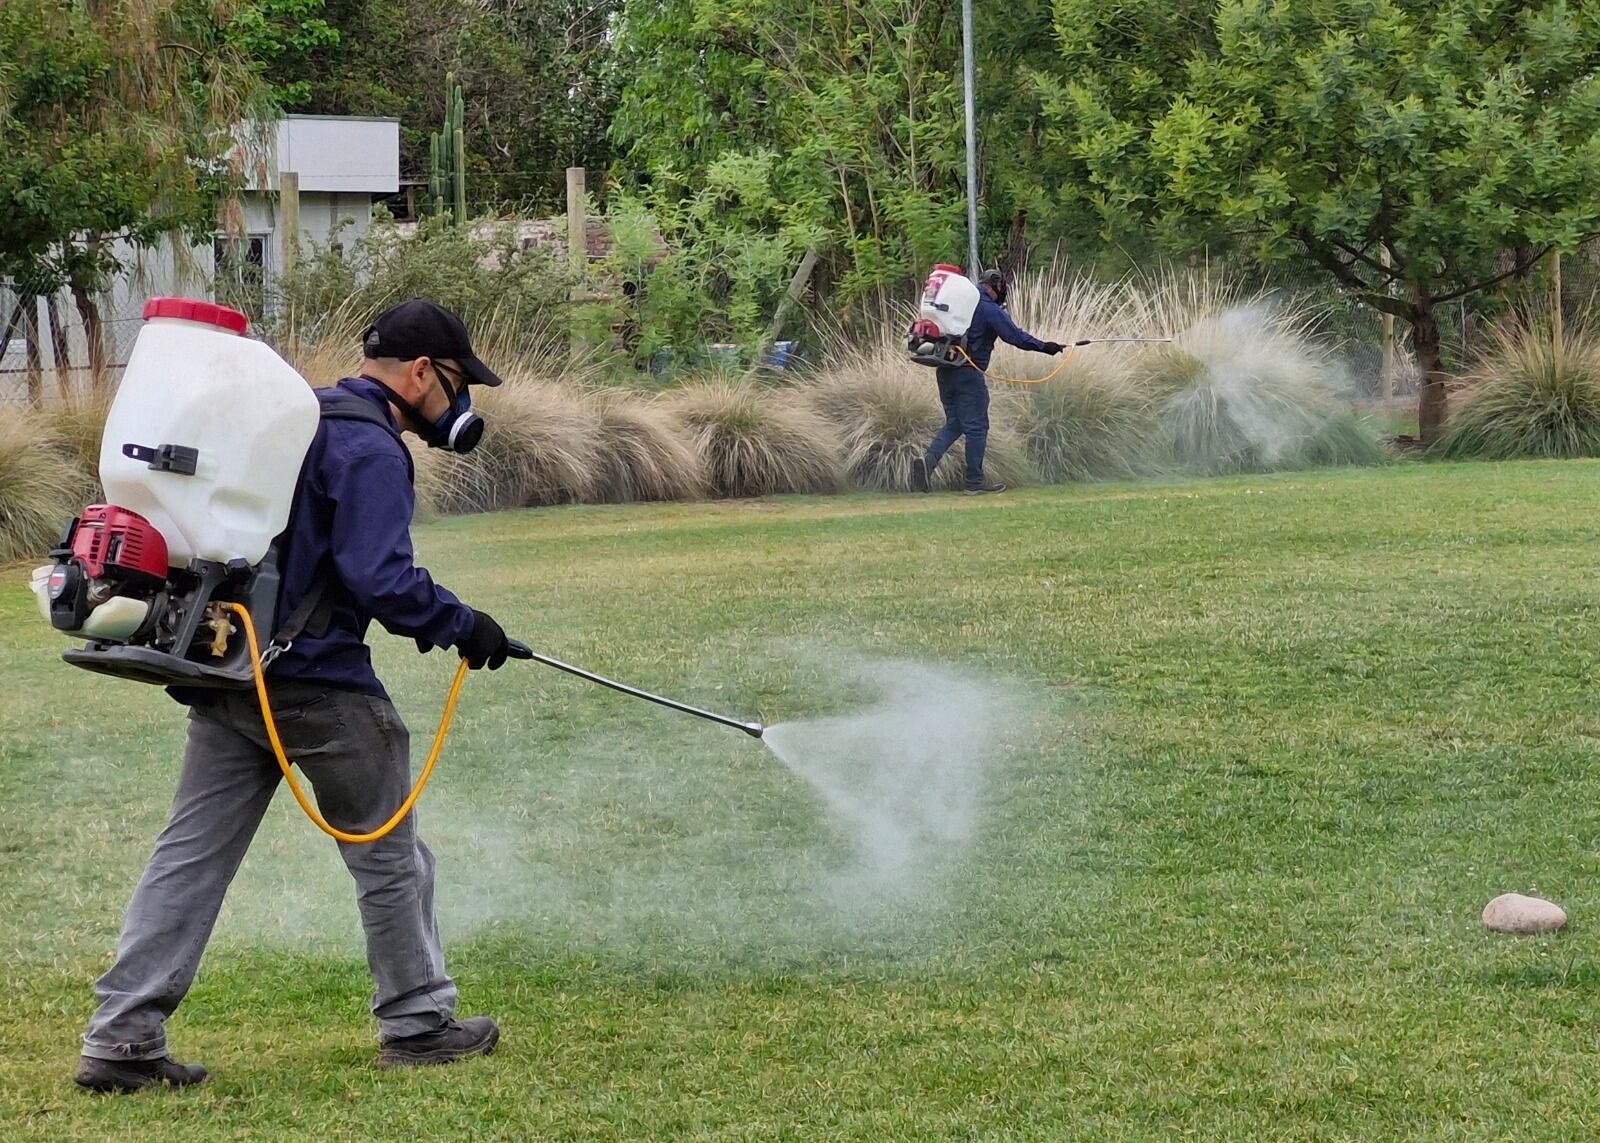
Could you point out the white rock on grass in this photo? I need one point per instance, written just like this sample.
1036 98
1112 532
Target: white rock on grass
1515 913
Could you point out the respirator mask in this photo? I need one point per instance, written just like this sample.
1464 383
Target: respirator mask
458 428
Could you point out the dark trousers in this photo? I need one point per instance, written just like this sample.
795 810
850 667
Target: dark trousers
355 753
965 396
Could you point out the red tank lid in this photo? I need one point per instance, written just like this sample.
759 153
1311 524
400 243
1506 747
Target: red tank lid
187 309
945 266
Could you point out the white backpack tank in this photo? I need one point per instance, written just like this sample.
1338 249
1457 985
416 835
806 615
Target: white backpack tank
207 433
949 299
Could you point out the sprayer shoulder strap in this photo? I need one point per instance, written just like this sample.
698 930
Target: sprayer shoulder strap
339 405
314 612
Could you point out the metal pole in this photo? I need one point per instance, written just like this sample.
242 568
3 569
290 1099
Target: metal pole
521 650
971 86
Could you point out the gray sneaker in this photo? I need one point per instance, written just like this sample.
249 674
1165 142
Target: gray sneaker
919 474
131 1075
982 489
455 1041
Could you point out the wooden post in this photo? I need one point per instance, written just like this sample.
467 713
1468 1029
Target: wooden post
577 249
1387 390
289 201
791 296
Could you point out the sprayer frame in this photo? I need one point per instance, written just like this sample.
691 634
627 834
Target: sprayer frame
235 582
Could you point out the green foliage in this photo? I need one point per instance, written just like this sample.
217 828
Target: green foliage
854 110
283 38
488 278
1524 399
115 121
1343 130
1088 423
539 80
41 486
708 263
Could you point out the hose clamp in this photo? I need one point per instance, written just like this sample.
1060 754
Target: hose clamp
274 649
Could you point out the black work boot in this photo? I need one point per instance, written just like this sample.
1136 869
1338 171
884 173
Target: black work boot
919 474
455 1041
131 1075
981 489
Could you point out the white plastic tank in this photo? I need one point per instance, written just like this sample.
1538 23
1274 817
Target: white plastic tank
949 300
195 382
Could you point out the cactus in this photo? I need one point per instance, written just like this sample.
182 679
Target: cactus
447 157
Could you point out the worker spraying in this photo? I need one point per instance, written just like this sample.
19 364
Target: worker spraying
344 560
968 323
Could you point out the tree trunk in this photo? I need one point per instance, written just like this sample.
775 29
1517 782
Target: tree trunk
1431 393
59 348
89 314
30 332
1016 246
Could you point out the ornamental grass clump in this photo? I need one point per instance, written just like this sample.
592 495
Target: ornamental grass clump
1524 399
78 421
1242 388
1090 422
755 441
644 452
41 487
541 447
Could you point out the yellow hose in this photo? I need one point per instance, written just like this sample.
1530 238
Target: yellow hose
288 772
1065 357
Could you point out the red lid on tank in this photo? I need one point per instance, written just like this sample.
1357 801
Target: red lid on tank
187 309
947 268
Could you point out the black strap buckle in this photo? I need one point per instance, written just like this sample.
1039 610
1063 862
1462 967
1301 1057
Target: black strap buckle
179 459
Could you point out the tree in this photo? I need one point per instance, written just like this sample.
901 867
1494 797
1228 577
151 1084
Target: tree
859 103
538 77
115 121
1418 152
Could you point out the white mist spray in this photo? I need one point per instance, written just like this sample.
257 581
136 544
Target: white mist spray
904 778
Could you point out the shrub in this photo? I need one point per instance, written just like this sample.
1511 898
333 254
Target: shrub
541 447
1524 400
644 453
756 442
41 487
483 272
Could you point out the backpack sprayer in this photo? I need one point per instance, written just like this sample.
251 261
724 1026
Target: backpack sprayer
938 336
199 460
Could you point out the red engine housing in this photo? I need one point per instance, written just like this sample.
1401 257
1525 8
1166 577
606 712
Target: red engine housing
926 330
108 538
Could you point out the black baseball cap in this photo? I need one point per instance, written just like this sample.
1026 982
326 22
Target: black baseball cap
420 328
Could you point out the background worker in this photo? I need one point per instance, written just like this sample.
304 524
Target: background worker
346 559
964 392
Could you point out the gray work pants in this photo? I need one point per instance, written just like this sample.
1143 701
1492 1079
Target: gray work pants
355 752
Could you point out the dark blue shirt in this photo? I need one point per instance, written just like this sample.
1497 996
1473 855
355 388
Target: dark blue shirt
351 526
990 323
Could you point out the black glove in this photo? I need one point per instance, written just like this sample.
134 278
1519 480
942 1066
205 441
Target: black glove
486 646
1053 347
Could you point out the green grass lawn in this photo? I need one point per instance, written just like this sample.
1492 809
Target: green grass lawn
1276 742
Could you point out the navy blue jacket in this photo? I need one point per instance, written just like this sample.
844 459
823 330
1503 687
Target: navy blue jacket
351 525
990 323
